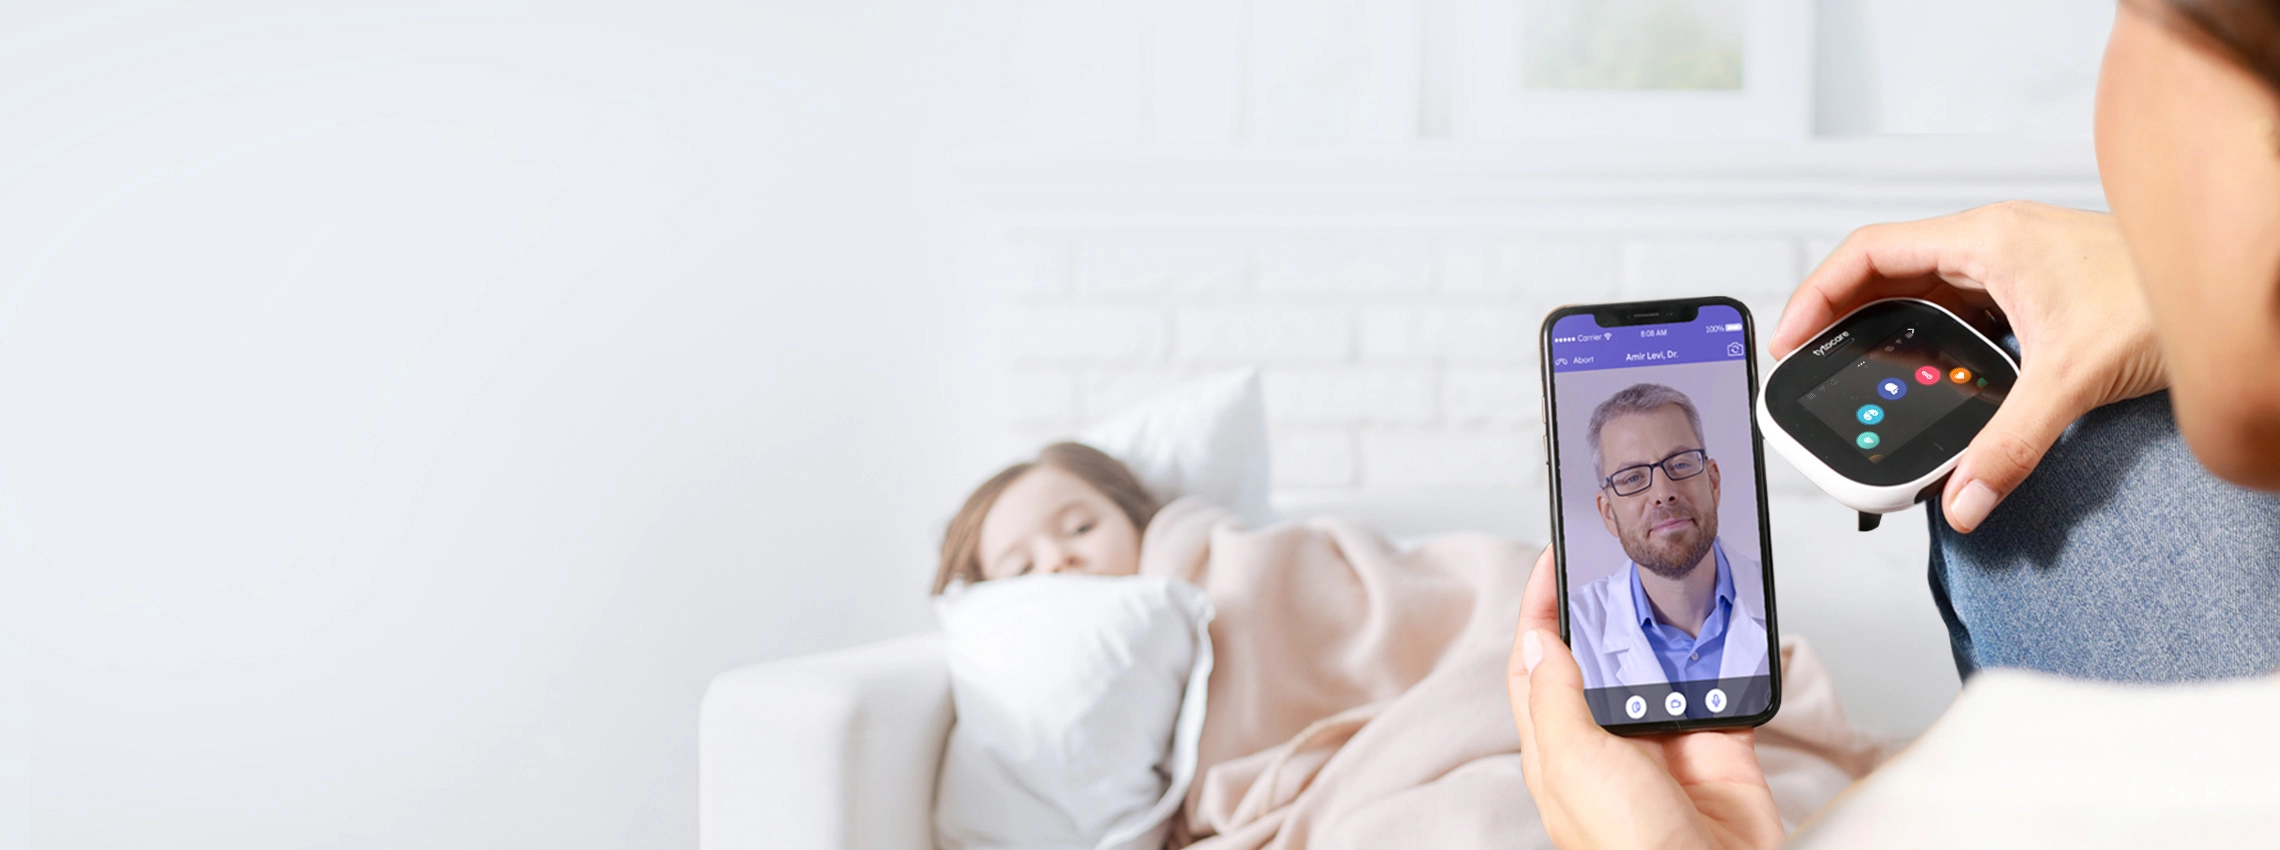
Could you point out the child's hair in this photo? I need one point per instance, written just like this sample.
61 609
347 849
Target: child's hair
962 541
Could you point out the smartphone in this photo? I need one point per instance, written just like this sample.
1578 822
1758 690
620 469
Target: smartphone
1659 521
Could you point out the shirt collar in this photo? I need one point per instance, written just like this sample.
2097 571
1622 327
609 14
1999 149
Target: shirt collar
1723 592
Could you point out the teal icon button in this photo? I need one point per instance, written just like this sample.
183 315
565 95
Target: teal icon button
1869 414
1867 440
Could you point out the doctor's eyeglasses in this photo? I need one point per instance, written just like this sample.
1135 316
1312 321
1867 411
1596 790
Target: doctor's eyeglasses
1633 480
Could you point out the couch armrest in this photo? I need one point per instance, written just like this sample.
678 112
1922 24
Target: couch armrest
836 751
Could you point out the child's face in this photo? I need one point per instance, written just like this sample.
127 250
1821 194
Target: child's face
1050 521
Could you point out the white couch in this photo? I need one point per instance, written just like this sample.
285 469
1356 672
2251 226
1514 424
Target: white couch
827 752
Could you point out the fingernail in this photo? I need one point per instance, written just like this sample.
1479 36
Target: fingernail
1972 505
1531 650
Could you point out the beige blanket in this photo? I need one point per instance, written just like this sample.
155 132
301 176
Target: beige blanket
1358 695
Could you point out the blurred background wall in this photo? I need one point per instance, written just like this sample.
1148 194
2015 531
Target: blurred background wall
412 405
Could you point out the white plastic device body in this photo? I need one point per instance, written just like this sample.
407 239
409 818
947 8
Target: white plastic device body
1866 498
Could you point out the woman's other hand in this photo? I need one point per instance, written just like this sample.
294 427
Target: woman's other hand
2062 278
1695 789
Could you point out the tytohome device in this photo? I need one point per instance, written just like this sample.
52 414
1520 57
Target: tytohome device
1878 407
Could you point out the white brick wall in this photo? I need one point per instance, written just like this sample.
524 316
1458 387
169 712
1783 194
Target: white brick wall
1340 266
1460 458
1541 267
1491 396
1395 360
1107 390
1277 333
1471 334
1313 457
1395 325
1664 268
1086 332
1353 396
1163 267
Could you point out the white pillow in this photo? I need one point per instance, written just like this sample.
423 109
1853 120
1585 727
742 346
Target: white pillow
1080 704
1207 438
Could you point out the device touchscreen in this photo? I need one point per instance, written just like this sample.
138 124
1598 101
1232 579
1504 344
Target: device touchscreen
1662 541
1894 391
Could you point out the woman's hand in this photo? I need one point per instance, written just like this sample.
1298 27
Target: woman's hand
1695 789
2064 280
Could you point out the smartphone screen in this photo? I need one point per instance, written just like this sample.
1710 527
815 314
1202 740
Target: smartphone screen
1659 513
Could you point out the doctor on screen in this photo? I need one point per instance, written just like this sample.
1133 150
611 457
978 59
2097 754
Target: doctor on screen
1671 614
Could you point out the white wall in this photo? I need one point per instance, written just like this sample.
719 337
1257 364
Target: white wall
412 405
2011 67
1310 75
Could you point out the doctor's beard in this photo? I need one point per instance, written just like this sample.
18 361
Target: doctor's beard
1676 555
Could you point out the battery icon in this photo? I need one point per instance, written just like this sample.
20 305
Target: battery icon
1735 327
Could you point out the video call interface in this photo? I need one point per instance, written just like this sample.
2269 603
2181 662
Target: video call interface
1665 608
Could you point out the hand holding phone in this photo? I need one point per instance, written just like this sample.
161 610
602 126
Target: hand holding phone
1703 788
1659 521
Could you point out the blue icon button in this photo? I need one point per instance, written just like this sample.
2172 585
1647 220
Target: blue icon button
1867 440
1891 388
1869 414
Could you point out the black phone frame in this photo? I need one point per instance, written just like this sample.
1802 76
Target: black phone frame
1658 312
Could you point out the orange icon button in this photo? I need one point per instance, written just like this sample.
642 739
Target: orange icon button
1960 375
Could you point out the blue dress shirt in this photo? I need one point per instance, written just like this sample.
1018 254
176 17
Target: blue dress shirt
1689 659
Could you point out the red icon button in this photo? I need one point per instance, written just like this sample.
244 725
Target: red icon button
1928 375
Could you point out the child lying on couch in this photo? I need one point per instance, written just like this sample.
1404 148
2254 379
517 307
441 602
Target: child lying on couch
1356 697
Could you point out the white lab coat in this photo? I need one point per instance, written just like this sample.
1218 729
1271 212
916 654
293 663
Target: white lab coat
1603 627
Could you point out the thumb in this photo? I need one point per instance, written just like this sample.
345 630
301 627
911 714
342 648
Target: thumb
2012 444
1556 709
